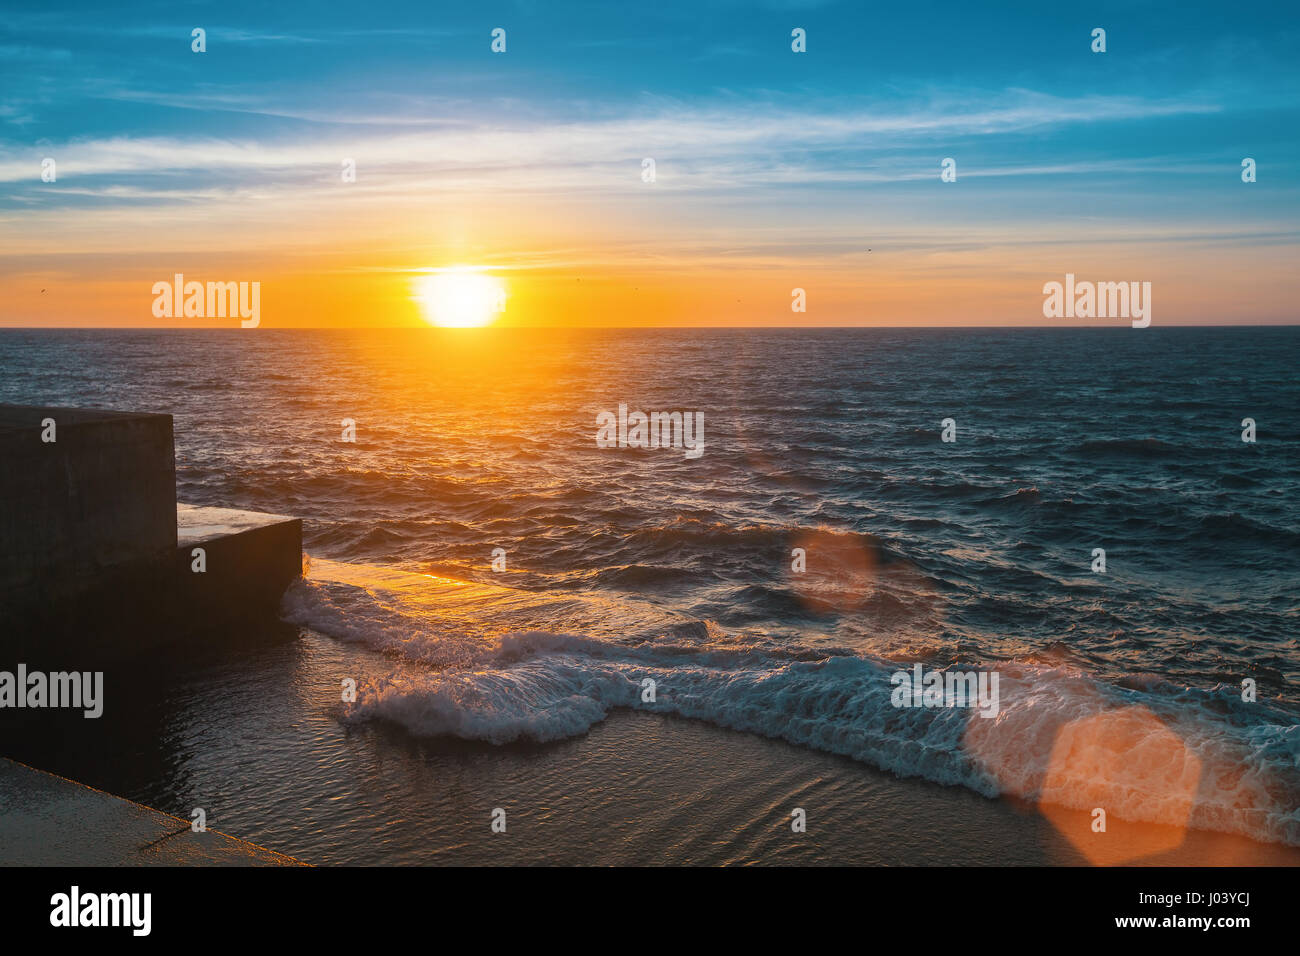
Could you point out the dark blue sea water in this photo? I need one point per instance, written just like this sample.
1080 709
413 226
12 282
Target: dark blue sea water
623 564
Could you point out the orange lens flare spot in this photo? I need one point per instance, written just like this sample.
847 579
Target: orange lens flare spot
832 572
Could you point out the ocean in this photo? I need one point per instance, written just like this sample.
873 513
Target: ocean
644 655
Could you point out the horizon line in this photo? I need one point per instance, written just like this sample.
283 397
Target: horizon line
609 328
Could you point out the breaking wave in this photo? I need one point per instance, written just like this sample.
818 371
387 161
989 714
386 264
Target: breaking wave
499 665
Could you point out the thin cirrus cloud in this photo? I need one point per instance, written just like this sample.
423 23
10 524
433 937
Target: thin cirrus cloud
693 134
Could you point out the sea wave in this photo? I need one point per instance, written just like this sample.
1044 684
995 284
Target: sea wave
496 665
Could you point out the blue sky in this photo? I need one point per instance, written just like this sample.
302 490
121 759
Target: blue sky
766 157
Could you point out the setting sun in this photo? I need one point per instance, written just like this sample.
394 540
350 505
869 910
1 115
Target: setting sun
460 298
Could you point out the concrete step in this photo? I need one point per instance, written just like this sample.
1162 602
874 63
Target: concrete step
47 820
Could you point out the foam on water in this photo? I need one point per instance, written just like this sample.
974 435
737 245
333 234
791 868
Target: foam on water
496 664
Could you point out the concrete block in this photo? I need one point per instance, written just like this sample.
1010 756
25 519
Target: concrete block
101 495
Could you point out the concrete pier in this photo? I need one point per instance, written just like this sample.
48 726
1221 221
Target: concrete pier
82 490
100 567
250 559
47 820
98 560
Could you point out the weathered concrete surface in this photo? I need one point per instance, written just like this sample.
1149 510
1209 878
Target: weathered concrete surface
101 495
250 558
51 821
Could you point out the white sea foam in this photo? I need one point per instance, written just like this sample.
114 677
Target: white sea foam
466 664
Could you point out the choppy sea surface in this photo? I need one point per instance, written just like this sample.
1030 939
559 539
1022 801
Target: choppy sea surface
1121 689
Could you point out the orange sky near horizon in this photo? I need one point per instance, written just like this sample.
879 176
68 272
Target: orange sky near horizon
890 288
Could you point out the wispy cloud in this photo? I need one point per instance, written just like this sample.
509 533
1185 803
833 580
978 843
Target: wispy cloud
709 146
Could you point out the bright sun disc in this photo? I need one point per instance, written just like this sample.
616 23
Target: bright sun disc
460 298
